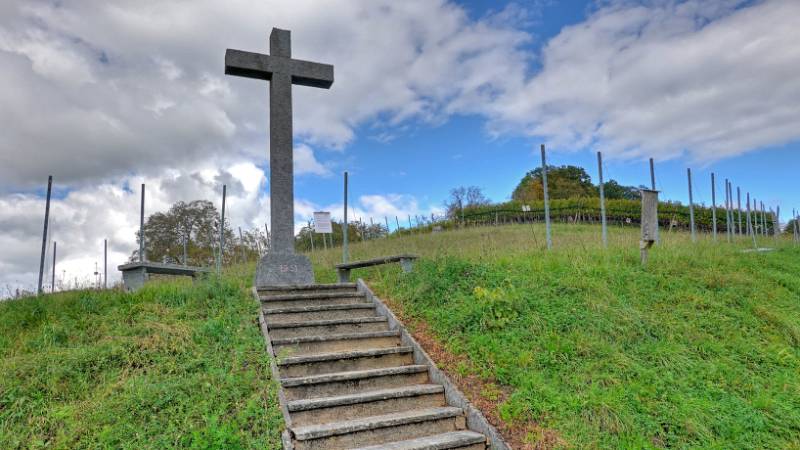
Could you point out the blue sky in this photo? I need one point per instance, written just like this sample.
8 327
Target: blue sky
427 161
429 95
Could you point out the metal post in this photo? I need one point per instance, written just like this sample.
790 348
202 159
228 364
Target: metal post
53 278
141 228
603 199
713 206
44 233
691 206
387 224
409 223
730 211
739 208
777 223
653 187
727 212
311 235
220 252
764 230
546 201
241 246
345 255
105 263
371 226
750 222
397 221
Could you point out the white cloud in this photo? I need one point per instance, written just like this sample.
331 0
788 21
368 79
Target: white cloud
306 163
125 87
699 78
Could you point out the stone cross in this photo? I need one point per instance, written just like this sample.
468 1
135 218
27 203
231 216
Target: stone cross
281 265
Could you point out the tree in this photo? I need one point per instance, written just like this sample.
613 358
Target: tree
196 223
614 190
462 198
562 182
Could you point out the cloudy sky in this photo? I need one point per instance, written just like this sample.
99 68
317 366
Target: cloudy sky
429 94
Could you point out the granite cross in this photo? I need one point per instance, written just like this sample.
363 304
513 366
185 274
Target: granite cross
281 265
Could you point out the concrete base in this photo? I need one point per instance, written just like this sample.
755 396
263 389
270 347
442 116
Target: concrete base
134 279
279 269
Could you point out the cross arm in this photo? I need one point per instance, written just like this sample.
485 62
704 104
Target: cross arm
259 66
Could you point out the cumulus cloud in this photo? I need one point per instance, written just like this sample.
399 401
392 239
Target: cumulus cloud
106 90
81 219
707 79
306 163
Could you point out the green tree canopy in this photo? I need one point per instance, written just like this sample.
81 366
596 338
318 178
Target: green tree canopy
197 222
562 182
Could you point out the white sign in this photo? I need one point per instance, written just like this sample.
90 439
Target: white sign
322 222
526 208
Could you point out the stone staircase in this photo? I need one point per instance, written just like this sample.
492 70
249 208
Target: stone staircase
347 381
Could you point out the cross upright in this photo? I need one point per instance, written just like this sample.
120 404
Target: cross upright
282 72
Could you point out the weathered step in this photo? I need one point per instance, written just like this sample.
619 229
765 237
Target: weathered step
461 440
379 429
315 345
335 326
310 288
303 366
312 299
365 404
345 383
326 312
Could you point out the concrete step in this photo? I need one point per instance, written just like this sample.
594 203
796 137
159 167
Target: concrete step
311 299
304 366
326 312
315 345
311 288
335 326
377 430
461 440
346 383
365 404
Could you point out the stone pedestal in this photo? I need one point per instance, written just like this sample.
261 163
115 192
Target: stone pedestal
281 269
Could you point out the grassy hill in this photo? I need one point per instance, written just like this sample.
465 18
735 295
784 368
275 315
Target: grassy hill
584 348
175 365
580 347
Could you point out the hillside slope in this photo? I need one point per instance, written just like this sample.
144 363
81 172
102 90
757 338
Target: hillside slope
584 348
175 365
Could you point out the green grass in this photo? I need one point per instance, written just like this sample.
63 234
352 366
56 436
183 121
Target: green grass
701 349
174 365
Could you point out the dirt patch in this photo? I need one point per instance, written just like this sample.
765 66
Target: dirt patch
484 393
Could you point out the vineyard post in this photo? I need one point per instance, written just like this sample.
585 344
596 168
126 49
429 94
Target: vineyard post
653 187
727 212
220 251
691 206
713 207
750 222
546 201
602 200
44 233
777 221
739 207
344 229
